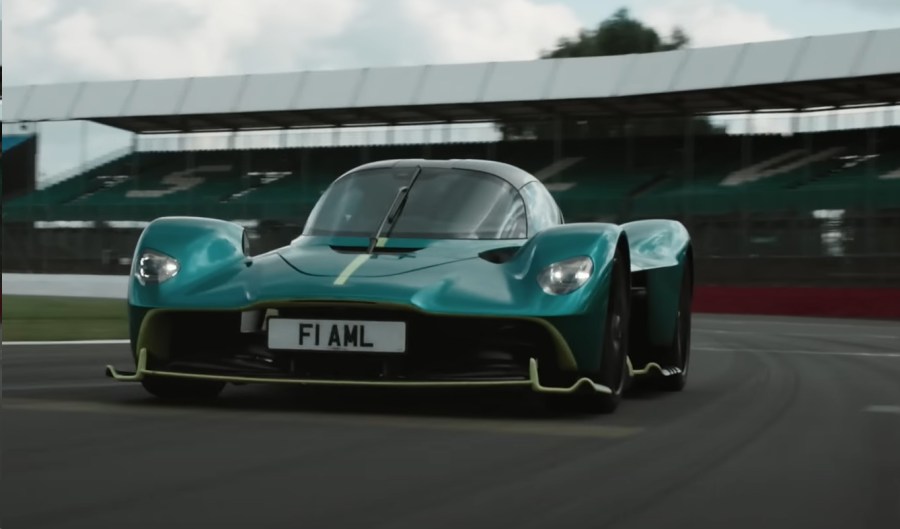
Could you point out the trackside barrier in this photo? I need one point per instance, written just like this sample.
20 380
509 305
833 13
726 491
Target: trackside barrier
880 303
66 285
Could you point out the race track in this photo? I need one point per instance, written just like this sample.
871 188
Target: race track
785 423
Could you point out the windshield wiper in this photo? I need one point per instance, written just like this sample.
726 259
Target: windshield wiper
393 213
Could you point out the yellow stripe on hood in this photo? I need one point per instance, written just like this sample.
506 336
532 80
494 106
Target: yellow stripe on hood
354 265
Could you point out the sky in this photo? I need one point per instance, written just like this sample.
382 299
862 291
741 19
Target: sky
53 41
49 41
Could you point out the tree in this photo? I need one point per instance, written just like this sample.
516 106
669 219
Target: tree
620 34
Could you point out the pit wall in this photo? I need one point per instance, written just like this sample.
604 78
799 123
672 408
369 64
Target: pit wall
875 303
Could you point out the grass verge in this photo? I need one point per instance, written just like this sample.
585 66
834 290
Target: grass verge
30 318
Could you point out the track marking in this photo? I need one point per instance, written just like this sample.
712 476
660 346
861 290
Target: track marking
64 386
554 428
68 342
796 352
883 409
730 321
805 335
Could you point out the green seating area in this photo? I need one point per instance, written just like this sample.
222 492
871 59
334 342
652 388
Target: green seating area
584 196
250 184
599 179
828 175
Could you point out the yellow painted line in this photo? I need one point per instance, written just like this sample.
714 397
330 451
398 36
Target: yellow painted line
356 263
537 427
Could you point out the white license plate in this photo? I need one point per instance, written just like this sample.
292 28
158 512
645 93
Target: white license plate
338 335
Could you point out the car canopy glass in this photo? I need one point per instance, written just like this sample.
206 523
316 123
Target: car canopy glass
443 203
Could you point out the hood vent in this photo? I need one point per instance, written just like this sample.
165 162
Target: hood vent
500 255
363 249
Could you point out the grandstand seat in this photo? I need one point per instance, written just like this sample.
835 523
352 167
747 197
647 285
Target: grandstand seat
597 179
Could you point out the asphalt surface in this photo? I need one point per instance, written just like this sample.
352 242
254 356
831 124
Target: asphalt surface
785 423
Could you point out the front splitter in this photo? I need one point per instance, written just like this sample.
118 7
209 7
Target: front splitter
533 381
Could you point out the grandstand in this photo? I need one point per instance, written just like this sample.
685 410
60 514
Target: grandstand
589 182
798 192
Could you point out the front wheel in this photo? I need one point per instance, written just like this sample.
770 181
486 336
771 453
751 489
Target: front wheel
185 390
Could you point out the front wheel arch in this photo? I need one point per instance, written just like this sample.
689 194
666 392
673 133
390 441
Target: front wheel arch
678 354
613 371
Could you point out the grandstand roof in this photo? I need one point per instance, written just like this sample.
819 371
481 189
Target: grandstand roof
1 58
814 72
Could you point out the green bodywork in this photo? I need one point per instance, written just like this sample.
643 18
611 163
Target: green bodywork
440 277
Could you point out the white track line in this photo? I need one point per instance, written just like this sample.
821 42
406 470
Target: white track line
807 335
799 352
722 318
884 409
70 342
70 385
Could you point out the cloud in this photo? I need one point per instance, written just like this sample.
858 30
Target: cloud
50 41
475 30
61 40
103 39
881 6
710 22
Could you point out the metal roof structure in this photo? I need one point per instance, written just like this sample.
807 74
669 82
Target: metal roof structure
1 58
852 69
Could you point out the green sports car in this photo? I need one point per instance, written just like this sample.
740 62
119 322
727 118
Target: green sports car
416 273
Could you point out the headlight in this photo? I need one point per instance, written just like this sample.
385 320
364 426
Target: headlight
154 267
566 276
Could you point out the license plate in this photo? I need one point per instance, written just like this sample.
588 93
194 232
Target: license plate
337 335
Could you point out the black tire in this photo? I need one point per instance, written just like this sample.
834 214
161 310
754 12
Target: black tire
613 372
679 353
182 390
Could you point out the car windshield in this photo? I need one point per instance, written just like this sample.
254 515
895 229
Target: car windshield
444 203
